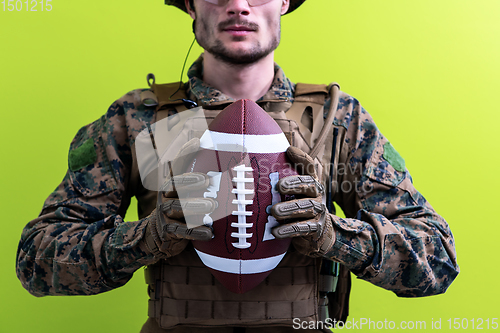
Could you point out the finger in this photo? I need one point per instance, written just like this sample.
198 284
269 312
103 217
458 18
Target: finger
185 156
302 162
186 182
179 208
181 230
300 185
302 228
300 208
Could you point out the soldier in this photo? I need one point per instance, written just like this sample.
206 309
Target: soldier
392 237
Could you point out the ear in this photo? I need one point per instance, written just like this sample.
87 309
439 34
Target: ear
284 6
190 10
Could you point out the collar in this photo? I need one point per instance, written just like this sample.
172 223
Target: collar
281 90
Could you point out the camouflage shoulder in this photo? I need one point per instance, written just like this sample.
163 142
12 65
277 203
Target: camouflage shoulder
139 99
138 109
100 153
118 119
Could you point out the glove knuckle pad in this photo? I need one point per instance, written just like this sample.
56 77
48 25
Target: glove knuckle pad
305 208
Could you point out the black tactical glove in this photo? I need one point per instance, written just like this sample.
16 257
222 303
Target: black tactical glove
167 233
311 224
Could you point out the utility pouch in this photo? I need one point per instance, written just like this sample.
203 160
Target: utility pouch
338 301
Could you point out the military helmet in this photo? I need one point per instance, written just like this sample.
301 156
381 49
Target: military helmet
294 4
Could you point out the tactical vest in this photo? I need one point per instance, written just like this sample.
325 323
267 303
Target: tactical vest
182 290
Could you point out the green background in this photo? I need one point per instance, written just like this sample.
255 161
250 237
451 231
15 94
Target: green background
427 71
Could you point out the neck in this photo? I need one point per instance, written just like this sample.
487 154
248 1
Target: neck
249 81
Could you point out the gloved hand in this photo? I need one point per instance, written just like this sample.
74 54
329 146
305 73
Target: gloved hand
312 224
167 233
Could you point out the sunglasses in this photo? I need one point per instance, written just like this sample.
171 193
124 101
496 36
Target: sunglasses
252 3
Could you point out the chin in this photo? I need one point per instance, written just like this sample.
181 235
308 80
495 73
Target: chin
239 53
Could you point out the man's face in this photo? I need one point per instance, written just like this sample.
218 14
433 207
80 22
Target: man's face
236 32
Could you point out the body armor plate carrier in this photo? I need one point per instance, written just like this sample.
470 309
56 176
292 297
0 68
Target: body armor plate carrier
182 290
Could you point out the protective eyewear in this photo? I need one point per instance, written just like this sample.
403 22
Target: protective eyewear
252 3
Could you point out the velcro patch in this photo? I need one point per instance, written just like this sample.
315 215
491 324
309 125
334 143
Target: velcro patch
82 156
393 157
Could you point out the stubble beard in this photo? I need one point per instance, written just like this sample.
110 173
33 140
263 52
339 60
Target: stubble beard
220 52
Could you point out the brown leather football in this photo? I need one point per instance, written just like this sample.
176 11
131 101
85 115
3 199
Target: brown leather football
243 152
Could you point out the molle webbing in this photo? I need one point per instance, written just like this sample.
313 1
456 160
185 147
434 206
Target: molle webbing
189 311
184 292
281 276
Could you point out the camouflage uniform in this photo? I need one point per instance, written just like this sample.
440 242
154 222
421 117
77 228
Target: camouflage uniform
80 244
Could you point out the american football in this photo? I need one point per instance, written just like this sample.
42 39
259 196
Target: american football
243 152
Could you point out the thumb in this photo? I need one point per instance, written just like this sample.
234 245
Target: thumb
302 161
185 156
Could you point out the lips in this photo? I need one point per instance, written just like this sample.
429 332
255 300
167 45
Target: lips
238 28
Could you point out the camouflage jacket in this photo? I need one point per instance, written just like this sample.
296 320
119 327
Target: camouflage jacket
80 244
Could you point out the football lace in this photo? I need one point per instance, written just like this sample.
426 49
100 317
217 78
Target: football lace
241 191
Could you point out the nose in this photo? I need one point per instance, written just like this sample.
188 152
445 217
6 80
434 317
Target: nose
237 7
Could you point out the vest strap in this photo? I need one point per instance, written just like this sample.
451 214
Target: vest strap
334 102
165 93
313 92
307 110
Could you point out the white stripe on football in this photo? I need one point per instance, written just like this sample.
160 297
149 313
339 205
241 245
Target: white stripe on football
244 143
234 266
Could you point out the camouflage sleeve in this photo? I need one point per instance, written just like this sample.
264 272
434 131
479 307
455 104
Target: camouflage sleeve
80 245
392 237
